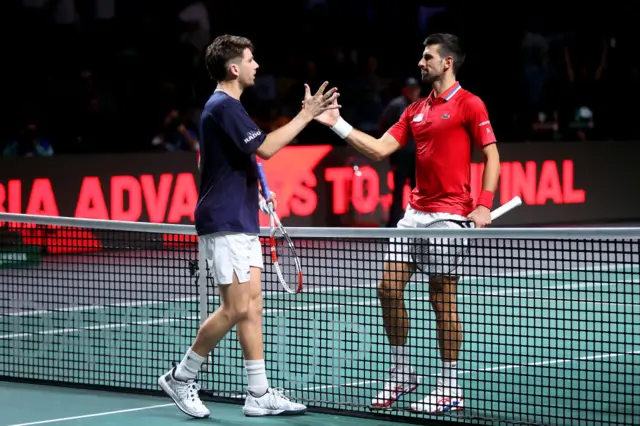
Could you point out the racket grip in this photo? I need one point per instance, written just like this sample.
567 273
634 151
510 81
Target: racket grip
506 207
263 182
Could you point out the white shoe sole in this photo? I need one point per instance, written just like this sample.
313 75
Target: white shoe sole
259 412
167 389
439 410
389 406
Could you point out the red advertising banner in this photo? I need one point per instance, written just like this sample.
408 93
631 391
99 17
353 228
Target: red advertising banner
325 186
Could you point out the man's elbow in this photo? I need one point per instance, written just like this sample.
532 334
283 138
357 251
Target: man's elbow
381 152
491 154
264 154
377 156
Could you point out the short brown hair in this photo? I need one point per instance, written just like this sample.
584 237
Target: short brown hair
223 50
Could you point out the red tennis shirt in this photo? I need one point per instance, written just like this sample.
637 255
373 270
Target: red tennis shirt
443 128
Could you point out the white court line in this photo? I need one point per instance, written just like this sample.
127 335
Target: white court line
157 302
322 307
483 370
595 302
582 267
86 416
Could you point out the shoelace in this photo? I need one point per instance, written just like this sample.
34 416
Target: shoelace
275 395
189 392
280 393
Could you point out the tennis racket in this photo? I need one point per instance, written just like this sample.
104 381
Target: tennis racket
442 256
283 252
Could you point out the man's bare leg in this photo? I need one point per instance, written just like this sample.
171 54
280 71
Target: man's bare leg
179 383
442 294
447 395
234 307
403 379
395 277
249 330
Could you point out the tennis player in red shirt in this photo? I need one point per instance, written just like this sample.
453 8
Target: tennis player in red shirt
444 126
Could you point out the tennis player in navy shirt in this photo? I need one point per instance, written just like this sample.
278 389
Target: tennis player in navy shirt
228 168
227 223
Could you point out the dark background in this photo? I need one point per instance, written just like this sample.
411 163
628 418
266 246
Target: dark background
100 76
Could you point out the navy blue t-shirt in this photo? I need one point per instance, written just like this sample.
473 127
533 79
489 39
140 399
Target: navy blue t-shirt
228 198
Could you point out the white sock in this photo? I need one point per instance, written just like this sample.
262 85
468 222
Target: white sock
450 375
189 366
400 359
256 377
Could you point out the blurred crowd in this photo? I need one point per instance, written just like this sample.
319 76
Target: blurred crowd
99 76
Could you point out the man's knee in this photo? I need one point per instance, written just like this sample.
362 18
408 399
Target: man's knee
442 294
443 286
241 300
388 291
236 309
395 277
254 292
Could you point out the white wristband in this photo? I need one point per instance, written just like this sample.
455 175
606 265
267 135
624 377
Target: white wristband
342 128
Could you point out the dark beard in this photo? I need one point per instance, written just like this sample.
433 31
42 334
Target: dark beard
428 79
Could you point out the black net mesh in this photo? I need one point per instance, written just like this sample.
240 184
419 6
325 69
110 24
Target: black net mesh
549 326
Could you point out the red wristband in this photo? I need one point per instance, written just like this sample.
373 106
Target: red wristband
486 199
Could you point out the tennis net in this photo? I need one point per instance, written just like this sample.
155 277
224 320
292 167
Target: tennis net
550 318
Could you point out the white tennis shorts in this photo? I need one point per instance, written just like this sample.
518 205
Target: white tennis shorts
400 248
229 252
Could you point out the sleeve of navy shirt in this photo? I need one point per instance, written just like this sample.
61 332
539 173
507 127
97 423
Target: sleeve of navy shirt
240 128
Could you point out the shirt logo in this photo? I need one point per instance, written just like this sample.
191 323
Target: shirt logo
445 116
486 123
251 136
418 118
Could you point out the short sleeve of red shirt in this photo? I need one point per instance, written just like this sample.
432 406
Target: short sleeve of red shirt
401 131
477 122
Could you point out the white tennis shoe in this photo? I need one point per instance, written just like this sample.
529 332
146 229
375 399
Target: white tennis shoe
399 384
272 403
441 400
184 394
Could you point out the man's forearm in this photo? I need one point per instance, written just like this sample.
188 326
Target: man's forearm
281 137
375 149
490 177
491 173
366 144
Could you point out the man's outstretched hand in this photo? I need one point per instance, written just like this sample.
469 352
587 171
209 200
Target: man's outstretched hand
321 103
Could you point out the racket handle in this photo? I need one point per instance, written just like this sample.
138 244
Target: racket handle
263 182
506 207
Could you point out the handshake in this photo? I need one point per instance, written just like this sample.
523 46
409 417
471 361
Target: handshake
324 108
